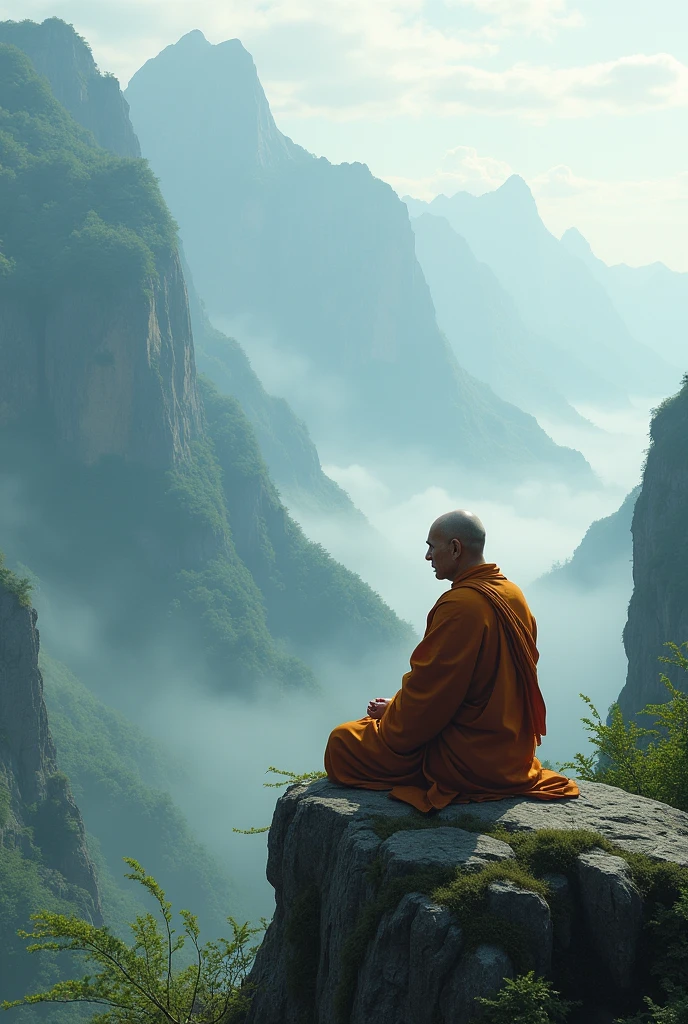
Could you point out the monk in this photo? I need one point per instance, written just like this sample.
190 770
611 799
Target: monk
465 724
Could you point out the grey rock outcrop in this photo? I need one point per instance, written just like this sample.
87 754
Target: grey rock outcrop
41 818
417 963
658 611
614 910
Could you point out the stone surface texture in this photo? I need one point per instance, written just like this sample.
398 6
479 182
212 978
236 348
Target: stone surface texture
42 818
614 911
419 968
658 610
113 374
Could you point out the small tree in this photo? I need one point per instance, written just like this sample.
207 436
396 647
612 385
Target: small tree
526 1000
144 983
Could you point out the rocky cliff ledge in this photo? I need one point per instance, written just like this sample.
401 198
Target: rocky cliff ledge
38 815
382 918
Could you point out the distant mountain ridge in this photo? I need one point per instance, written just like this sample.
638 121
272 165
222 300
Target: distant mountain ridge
590 351
313 264
482 323
653 300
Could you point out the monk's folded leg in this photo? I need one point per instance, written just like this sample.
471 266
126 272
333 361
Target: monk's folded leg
356 755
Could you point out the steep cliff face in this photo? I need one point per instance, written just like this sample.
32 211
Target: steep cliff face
94 323
44 861
312 265
132 507
658 612
39 796
93 99
107 372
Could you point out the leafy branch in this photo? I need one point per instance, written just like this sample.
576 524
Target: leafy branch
290 779
141 982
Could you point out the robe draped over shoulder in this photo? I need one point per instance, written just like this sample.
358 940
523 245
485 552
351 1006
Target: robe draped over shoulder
465 724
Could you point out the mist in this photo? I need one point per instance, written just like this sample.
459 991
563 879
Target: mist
169 579
227 744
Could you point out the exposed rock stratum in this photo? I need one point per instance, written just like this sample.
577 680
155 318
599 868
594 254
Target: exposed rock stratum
329 860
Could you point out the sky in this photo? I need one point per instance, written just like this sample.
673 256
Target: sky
586 99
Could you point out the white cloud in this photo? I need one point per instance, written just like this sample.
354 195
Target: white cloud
536 17
626 221
462 169
358 59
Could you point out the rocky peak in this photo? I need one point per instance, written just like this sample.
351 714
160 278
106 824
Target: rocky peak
222 81
38 815
578 244
92 98
359 934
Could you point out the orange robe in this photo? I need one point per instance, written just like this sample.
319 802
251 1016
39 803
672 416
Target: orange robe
466 721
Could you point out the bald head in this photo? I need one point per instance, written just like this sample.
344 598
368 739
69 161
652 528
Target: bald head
455 543
462 525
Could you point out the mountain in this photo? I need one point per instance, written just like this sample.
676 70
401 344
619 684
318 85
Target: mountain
92 98
592 354
658 612
44 860
142 506
482 323
312 266
653 300
285 443
604 551
96 102
124 784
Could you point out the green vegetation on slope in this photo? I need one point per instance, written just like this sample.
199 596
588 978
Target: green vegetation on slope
27 888
309 596
122 784
68 209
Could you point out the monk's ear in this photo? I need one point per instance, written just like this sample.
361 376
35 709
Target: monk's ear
456 548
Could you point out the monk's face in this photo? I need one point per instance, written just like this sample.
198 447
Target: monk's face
443 554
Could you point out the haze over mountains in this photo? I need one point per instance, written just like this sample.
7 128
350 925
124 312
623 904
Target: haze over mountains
653 300
413 357
313 265
590 353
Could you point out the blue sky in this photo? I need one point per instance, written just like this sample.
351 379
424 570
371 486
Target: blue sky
586 99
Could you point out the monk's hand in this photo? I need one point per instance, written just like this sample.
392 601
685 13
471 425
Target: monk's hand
377 707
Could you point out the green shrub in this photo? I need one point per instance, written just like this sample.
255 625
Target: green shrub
149 979
526 1000
20 586
650 762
